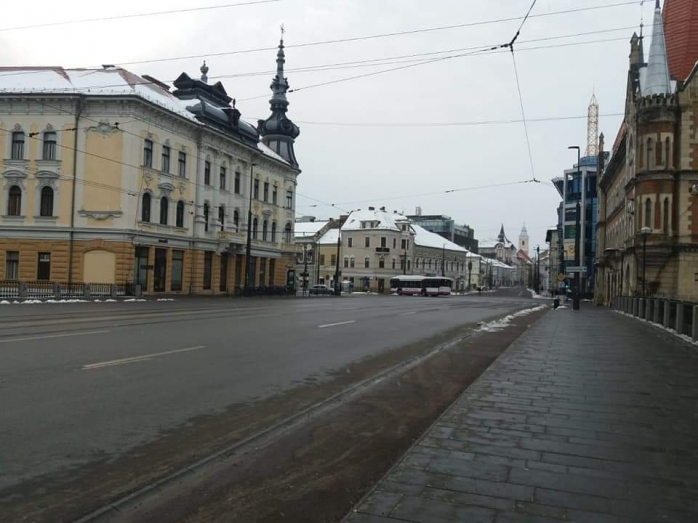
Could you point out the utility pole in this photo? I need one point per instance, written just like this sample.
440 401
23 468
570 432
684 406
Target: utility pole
576 297
404 261
305 273
337 287
470 271
248 247
537 269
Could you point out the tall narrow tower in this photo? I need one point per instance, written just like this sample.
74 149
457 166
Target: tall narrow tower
593 128
523 240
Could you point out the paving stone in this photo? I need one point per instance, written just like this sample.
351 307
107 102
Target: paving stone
469 469
513 517
434 511
570 483
400 488
464 498
380 503
571 500
368 518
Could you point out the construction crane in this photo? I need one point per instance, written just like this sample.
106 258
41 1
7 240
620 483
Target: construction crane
593 127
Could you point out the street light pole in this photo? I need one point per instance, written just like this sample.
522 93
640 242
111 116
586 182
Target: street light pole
576 297
248 247
305 272
645 232
337 288
470 271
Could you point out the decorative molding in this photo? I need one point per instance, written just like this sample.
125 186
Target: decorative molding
100 215
49 127
15 178
148 178
166 186
17 127
103 127
182 187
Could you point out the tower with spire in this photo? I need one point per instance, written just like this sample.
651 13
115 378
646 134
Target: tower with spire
523 240
278 132
658 81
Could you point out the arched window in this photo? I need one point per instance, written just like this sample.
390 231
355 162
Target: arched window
650 154
206 212
265 226
367 262
667 153
648 213
346 262
236 220
17 152
352 262
416 263
409 265
273 231
14 204
179 220
221 216
254 228
287 233
46 207
145 207
665 221
164 210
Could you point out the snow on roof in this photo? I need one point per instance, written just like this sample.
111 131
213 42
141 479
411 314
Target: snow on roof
113 81
302 229
330 237
386 220
425 238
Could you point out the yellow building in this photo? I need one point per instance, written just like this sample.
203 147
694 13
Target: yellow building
110 177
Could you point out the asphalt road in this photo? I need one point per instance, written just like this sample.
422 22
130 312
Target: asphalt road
85 382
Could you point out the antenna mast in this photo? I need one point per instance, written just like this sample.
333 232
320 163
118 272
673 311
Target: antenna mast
593 128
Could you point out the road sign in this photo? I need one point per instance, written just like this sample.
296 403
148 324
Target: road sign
561 277
577 269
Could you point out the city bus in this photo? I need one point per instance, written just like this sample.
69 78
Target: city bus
421 285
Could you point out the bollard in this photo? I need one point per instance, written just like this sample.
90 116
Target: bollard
87 291
636 306
23 289
113 291
138 291
667 314
57 290
655 317
648 310
641 308
694 330
679 317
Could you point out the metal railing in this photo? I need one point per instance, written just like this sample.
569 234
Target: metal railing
263 290
9 289
46 290
678 316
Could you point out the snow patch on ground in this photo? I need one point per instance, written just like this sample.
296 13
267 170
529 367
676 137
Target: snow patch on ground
165 299
685 338
135 299
537 296
503 323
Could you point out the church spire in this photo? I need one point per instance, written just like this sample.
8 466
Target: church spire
278 131
658 81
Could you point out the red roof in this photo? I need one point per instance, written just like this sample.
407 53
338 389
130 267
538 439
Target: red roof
681 35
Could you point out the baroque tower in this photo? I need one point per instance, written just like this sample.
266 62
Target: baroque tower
523 240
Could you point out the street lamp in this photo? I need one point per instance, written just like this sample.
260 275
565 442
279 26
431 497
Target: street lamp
248 247
644 232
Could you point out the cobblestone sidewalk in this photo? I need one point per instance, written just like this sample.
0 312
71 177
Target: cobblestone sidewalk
590 417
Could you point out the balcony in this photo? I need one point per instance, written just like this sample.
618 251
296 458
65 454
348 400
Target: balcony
384 250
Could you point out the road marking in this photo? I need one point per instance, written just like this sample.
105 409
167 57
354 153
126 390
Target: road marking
335 324
347 309
136 359
407 313
28 338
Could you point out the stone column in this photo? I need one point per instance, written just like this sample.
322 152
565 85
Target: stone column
667 314
679 317
656 311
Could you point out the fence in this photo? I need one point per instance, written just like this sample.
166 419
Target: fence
44 290
679 316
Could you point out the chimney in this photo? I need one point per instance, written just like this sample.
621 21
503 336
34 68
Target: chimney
418 211
383 209
371 208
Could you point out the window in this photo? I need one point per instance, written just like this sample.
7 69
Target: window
14 203
346 262
221 216
236 221
393 263
350 242
46 207
50 146
405 244
223 174
274 194
409 265
12 265
262 267
223 282
402 263
273 232
255 193
272 267
384 241
206 209
237 182
145 208
165 159
648 213
367 262
394 243
430 263
289 199
182 167
254 228
322 259
266 191
352 262
148 153
177 270
17 152
208 263
179 219
207 173
667 153
416 264
650 154
333 260
288 231
367 242
43 268
164 210
666 216
265 225
381 263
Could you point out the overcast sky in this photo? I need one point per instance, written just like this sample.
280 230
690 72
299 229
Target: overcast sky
358 165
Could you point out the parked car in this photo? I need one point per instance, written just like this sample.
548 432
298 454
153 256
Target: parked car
320 289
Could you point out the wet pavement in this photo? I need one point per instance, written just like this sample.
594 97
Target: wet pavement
590 417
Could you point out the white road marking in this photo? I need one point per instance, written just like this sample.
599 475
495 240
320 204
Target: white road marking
407 313
335 324
135 359
347 309
47 336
